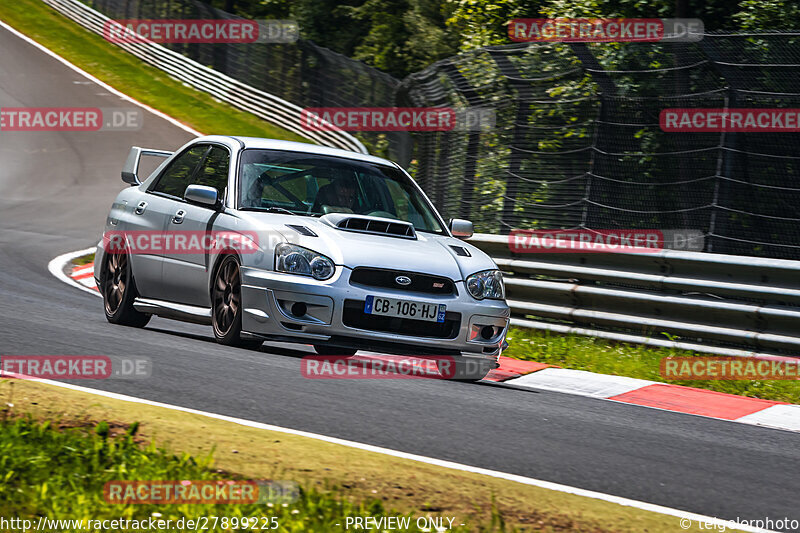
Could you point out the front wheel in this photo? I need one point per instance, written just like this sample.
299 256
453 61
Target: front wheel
226 305
119 292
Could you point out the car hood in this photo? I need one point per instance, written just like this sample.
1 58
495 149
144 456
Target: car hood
428 253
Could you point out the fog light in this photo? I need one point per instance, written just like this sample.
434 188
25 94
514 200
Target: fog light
299 309
487 332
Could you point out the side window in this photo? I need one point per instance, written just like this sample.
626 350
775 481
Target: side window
176 176
214 172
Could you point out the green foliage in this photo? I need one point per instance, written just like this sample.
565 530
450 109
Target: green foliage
382 46
483 23
404 35
480 23
396 36
772 14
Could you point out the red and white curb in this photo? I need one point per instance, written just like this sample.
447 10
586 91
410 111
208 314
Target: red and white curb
664 396
533 375
62 268
84 275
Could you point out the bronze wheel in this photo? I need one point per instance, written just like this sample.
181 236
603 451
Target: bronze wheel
226 305
119 292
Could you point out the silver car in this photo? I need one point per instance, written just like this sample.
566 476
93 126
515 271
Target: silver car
299 243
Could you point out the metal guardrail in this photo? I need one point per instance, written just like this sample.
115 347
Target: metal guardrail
731 305
240 95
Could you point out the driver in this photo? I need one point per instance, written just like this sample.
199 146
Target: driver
341 193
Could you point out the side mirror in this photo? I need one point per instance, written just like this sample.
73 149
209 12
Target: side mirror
461 228
200 194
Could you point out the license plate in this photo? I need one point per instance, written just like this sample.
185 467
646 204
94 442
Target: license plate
378 305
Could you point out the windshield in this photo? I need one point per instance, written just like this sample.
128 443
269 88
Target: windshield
314 185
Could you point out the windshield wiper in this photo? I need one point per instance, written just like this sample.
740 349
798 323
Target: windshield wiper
272 209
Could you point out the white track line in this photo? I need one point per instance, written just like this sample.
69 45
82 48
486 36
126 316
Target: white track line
56 268
706 520
102 84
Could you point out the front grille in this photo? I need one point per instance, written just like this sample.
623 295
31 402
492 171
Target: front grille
353 316
424 283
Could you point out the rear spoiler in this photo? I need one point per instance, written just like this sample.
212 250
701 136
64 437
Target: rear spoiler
130 171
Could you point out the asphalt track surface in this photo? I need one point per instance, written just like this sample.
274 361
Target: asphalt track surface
55 192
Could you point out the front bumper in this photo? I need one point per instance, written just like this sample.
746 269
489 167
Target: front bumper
301 309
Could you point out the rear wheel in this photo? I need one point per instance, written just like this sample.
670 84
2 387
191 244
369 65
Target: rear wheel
226 305
119 292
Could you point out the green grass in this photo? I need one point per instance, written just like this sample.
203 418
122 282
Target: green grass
83 260
130 75
632 360
59 474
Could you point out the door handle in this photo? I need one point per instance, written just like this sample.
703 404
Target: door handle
140 208
178 218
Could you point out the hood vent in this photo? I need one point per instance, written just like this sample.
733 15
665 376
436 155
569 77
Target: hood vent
372 225
302 230
460 250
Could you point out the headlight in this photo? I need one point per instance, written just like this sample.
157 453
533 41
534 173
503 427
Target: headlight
486 284
294 259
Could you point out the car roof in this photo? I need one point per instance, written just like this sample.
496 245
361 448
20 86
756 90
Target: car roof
291 146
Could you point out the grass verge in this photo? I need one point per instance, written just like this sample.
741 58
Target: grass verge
60 474
328 473
632 360
83 260
133 77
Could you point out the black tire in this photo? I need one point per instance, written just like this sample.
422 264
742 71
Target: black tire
226 305
119 291
463 369
324 349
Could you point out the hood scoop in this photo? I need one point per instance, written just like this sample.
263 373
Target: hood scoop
460 250
373 225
